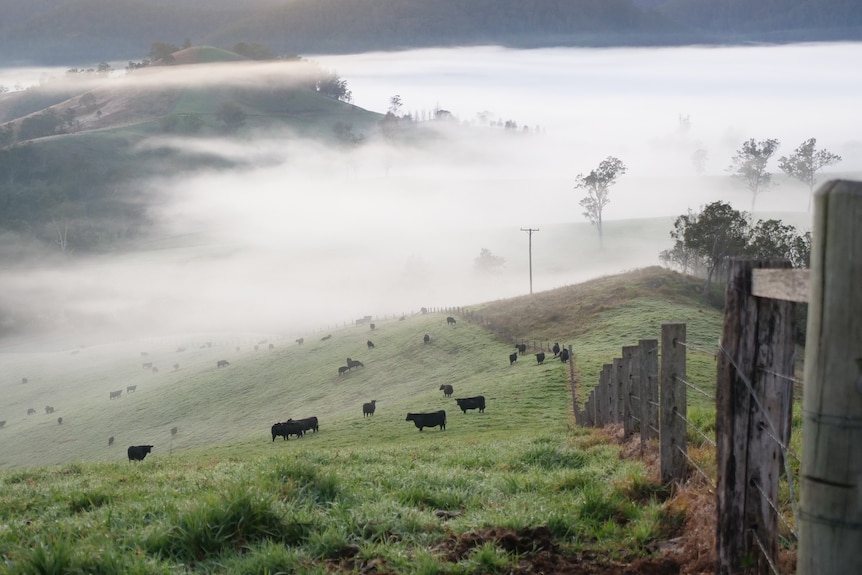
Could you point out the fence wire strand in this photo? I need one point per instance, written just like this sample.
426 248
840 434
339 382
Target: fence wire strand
697 429
782 376
696 388
694 347
765 554
697 467
774 507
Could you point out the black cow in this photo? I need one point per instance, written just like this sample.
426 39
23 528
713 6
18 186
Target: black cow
433 419
342 369
286 428
556 349
300 341
521 347
147 365
427 338
174 431
49 409
513 357
111 440
138 452
222 363
372 326
368 408
272 346
131 388
351 363
564 355
307 424
540 357
450 320
447 390
2 423
59 421
176 366
370 344
477 402
24 380
324 338
31 411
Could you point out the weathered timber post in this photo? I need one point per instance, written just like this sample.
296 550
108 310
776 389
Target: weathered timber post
830 515
574 384
602 397
757 339
674 403
629 359
612 393
648 353
617 384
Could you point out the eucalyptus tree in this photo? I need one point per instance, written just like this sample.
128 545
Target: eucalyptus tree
597 184
804 163
749 165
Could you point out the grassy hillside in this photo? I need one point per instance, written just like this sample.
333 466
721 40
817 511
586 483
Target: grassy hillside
513 489
236 405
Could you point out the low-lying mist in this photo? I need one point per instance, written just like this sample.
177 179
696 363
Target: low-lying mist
306 237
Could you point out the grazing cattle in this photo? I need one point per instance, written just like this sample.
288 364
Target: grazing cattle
521 347
148 365
49 409
155 370
373 326
450 320
176 366
370 344
564 355
368 408
343 369
111 440
131 388
477 402
433 419
447 390
2 423
307 424
115 394
513 357
556 349
59 421
300 341
272 346
173 431
138 452
286 428
31 411
24 380
540 357
351 363
222 363
324 338
427 338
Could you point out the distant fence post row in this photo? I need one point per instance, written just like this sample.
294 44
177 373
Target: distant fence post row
753 407
754 401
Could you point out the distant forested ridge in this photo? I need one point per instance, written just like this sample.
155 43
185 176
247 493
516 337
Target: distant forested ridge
75 32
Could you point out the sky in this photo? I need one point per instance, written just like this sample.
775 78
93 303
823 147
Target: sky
308 238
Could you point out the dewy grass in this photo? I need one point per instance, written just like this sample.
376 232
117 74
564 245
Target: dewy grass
235 521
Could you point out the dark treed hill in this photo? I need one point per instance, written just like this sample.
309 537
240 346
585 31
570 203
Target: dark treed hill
74 146
83 31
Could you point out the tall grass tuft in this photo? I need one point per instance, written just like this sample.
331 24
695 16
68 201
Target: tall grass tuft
302 480
551 457
232 522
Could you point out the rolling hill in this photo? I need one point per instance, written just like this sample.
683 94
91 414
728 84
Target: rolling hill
231 408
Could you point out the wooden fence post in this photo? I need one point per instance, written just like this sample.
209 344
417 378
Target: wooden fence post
748 410
672 438
830 522
617 383
629 356
602 397
648 353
